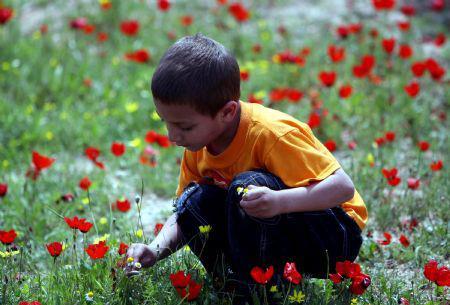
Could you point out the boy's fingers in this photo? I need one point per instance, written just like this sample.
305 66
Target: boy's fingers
253 193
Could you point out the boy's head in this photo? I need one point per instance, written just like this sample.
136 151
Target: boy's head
198 72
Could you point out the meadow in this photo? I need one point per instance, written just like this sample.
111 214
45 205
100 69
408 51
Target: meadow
85 161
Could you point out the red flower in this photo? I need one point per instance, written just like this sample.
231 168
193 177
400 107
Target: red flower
123 205
437 5
360 283
435 69
30 303
78 23
291 274
293 95
3 189
390 136
8 237
260 276
405 51
413 183
389 173
186 20
129 27
404 26
388 45
6 14
84 226
412 89
41 162
430 270
365 67
163 5
404 241
348 269
387 239
96 251
345 91
436 165
440 39
443 277
342 31
383 4
89 29
418 68
239 12
394 181
163 141
102 37
335 53
335 278
139 56
157 228
54 248
192 291
403 301
331 145
327 78
408 10
179 279
85 183
118 149
314 120
423 145
244 75
256 48
74 222
92 153
352 145
122 248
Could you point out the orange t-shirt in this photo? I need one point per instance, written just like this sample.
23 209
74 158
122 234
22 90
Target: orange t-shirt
276 142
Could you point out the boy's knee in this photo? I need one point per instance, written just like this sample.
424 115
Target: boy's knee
257 177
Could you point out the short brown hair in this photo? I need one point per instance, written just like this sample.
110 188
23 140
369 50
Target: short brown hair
197 71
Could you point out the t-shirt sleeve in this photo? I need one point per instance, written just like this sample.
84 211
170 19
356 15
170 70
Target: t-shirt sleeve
187 173
299 158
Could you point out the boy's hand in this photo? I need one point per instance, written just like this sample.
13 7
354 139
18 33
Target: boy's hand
260 202
142 254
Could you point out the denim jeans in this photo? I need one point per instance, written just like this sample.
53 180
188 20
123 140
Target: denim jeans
237 242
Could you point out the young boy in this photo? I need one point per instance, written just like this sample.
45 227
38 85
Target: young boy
299 206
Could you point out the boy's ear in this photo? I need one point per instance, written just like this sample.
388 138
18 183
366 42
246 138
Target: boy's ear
229 110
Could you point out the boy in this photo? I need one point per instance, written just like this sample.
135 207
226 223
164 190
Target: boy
299 206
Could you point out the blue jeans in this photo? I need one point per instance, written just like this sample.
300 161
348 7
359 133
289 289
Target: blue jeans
237 242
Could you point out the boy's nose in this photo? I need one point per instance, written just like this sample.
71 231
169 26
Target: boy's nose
173 136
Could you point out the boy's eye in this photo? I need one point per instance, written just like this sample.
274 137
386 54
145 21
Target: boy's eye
186 129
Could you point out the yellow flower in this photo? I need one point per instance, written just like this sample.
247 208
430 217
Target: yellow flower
139 233
89 296
9 254
241 191
103 221
131 107
49 135
102 238
370 158
298 297
187 248
155 116
354 301
85 200
274 288
205 229
5 163
136 142
260 94
138 265
130 259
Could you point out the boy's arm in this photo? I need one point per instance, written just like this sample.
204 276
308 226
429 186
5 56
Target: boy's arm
165 243
263 202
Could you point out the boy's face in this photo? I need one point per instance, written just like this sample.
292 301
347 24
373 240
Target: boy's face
189 128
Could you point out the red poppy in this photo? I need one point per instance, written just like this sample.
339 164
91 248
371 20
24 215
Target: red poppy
164 5
437 5
418 68
30 303
383 4
412 89
74 222
360 283
336 53
54 248
123 248
260 276
256 48
186 20
408 9
394 181
365 67
92 153
390 136
405 51
252 99
342 31
123 205
191 291
291 274
8 237
440 39
327 78
118 149
380 141
102 37
387 239
348 269
85 183
404 25
355 28
435 69
6 14
84 226
3 189
389 173
89 29
345 91
351 145
129 27
222 2
423 145
403 301
293 95
179 279
78 23
41 162
67 197
244 75
157 228
388 45
335 278
331 145
443 276
404 241
139 56
413 183
314 120
239 12
105 5
97 251
436 165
